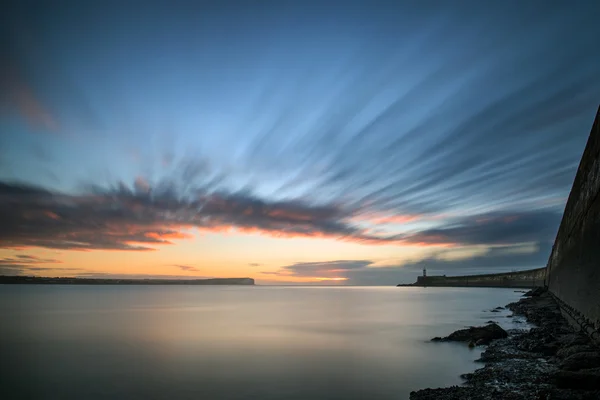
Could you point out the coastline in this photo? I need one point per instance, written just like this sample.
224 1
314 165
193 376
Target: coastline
549 361
36 280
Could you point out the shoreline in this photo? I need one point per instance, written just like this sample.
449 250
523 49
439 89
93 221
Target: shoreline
549 361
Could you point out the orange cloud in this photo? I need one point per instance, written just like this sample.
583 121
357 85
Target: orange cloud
381 219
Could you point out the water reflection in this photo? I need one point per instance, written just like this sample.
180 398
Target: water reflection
112 342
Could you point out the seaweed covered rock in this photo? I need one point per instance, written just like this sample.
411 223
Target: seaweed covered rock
481 335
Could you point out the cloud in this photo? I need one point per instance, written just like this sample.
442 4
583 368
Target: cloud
24 259
327 270
124 218
500 259
254 264
440 262
23 263
141 216
493 229
18 97
187 268
436 140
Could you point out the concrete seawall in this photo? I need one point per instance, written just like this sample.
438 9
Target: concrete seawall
573 274
521 279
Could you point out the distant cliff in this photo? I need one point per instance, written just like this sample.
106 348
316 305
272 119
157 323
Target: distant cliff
98 281
521 279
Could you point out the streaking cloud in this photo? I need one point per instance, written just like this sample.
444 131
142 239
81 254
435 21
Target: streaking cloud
456 130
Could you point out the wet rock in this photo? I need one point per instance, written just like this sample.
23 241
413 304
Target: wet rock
535 292
587 379
574 339
499 308
579 361
482 334
526 364
565 352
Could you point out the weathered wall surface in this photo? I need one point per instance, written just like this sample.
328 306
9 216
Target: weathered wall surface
522 279
574 266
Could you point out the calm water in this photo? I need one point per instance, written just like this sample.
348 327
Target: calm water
199 342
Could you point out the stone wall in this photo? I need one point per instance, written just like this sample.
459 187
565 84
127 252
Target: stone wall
573 274
521 279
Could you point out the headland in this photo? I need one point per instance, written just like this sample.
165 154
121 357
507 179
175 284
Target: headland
36 280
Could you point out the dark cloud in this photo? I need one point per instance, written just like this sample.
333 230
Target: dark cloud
141 216
135 218
494 229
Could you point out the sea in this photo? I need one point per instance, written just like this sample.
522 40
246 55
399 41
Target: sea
237 342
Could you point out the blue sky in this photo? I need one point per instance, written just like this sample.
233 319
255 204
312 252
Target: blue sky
391 122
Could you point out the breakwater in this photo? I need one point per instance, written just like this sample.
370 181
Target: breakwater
518 279
573 269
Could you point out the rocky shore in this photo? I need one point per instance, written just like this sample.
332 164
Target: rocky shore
551 361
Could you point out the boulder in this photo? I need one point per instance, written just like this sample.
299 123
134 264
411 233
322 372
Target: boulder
579 361
573 339
481 335
569 351
586 379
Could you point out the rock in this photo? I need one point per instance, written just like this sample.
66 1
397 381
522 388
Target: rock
573 339
499 308
579 361
525 365
569 351
535 292
547 349
587 379
494 310
490 322
483 334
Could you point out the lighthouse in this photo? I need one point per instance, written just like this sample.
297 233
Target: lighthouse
424 272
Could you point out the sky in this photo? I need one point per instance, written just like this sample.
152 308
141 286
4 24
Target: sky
294 142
